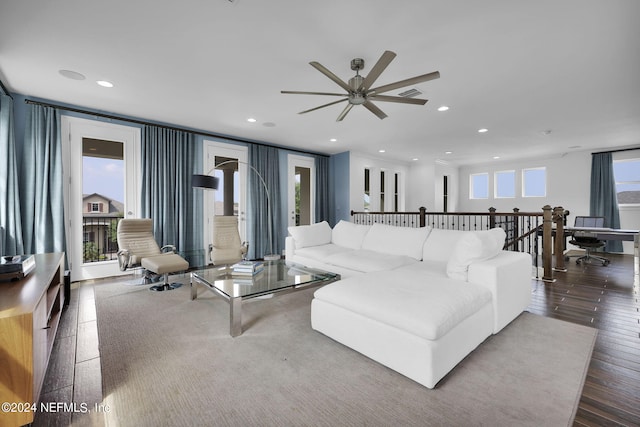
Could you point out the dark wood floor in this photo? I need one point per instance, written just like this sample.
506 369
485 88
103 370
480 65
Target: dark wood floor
605 298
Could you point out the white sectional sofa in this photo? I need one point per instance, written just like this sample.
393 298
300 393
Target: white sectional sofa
417 300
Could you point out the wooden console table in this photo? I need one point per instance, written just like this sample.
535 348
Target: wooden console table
30 311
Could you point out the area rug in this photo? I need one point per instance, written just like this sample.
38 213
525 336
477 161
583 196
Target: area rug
169 361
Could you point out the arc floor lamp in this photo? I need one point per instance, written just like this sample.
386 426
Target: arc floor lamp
208 182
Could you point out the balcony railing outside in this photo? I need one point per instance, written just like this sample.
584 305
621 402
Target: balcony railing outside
99 238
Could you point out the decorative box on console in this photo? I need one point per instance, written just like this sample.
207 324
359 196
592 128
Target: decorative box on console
16 267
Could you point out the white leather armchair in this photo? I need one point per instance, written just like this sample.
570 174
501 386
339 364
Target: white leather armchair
138 248
227 247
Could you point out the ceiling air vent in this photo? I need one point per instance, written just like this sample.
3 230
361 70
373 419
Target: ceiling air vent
410 93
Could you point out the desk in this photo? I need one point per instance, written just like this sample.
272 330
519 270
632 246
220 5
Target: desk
612 234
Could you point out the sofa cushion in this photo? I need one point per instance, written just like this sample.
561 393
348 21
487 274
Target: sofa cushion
321 252
365 261
348 234
428 307
311 235
474 246
440 243
404 241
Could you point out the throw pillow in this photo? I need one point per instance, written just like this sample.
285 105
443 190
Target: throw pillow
395 240
348 234
476 246
311 235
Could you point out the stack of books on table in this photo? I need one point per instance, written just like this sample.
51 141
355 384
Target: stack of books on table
247 268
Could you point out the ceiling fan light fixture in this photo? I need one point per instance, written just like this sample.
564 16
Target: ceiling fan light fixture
359 90
356 99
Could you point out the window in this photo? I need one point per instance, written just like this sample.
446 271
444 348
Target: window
504 184
367 191
95 207
627 176
382 191
479 186
396 191
445 193
534 182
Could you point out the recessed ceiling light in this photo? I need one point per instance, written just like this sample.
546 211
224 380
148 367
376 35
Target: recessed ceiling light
448 152
496 157
415 159
251 120
333 140
483 130
104 83
443 108
71 75
381 151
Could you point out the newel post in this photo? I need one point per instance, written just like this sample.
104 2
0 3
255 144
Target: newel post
547 245
423 216
492 217
558 218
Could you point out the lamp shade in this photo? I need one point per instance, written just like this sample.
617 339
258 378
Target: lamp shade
204 181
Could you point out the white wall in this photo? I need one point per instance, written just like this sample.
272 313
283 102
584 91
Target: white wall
425 185
568 182
357 164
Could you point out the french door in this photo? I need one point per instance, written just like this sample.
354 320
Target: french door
301 188
102 168
227 162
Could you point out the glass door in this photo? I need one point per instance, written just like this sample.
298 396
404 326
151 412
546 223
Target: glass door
228 163
301 183
102 171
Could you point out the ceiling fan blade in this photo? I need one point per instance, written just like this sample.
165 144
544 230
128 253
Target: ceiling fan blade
375 110
322 106
407 82
398 99
377 69
296 92
329 74
344 112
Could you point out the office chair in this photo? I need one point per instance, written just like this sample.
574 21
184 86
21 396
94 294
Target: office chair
584 239
138 248
226 247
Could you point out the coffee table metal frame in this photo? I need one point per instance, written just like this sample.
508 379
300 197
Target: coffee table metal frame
277 277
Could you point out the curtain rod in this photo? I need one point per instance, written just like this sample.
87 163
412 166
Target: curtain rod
617 151
142 122
4 89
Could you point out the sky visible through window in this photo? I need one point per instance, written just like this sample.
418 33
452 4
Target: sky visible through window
103 176
627 175
534 182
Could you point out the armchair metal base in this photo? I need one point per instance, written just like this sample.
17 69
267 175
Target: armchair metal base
166 286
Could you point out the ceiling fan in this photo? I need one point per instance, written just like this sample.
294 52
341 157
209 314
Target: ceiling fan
359 90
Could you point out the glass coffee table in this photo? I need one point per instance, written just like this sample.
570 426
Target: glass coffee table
277 277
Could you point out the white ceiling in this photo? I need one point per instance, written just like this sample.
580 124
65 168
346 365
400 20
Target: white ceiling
515 67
